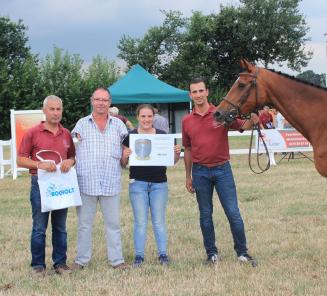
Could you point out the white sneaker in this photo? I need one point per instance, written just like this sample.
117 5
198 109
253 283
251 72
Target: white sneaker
246 258
213 259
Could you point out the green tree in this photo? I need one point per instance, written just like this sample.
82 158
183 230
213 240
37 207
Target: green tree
25 81
312 77
19 72
276 32
61 75
13 42
159 46
25 88
101 73
265 31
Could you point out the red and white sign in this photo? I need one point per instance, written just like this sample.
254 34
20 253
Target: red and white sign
293 138
284 140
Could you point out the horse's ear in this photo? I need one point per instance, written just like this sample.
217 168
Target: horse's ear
246 66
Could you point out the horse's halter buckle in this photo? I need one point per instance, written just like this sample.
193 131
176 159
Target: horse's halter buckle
236 111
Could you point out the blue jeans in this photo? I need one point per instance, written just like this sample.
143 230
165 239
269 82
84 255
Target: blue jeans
145 196
40 223
221 178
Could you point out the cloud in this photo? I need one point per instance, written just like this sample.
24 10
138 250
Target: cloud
317 64
91 27
319 61
95 13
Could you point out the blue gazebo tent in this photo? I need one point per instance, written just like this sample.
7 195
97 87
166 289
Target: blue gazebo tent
139 86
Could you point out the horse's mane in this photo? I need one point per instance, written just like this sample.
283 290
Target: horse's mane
297 79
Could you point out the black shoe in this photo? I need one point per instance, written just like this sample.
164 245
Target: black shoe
138 261
163 259
246 258
212 259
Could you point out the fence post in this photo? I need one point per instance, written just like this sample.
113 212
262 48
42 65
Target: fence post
4 161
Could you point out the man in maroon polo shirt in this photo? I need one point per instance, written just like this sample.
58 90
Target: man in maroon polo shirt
206 158
266 119
47 135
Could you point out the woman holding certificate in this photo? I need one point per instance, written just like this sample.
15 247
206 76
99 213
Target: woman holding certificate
148 189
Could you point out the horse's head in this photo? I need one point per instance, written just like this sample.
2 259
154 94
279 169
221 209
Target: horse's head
242 98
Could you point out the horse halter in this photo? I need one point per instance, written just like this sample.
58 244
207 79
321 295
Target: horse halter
236 111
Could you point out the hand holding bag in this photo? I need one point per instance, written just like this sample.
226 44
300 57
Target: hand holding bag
58 190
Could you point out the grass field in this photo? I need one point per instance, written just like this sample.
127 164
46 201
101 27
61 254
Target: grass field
285 214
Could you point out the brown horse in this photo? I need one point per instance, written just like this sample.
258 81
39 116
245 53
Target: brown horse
302 104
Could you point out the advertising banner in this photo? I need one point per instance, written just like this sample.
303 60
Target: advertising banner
284 140
21 121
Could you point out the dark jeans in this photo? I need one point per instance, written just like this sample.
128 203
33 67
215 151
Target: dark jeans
40 223
221 178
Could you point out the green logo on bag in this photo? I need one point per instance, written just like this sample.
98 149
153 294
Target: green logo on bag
54 191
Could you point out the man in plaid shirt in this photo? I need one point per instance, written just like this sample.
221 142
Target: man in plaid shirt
98 167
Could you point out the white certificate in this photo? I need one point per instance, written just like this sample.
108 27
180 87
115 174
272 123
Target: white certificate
151 150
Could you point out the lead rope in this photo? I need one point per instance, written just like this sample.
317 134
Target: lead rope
260 136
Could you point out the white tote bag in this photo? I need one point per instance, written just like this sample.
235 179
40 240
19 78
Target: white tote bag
58 190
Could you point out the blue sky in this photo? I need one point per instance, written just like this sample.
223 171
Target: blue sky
91 27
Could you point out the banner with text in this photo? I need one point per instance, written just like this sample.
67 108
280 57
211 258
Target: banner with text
284 140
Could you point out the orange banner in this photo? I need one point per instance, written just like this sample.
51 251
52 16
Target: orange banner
23 122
